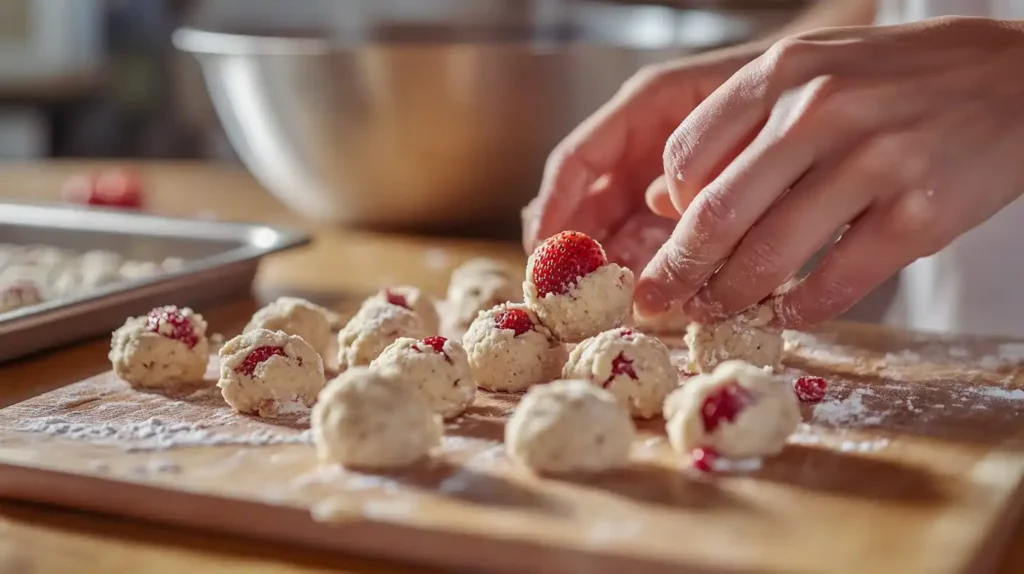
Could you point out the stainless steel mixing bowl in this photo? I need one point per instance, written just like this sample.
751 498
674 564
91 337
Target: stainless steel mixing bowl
426 134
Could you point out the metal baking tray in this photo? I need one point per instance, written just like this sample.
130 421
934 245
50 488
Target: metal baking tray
220 259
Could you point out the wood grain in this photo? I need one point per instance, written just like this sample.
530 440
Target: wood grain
41 539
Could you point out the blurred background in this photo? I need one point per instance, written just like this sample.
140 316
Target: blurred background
413 114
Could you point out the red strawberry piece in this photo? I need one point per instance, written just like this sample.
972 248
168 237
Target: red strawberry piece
112 188
514 319
810 389
724 404
627 333
181 326
437 344
396 298
621 366
563 259
704 459
257 356
24 290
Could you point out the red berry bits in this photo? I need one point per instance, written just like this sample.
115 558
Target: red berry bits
627 333
437 344
257 356
562 260
704 459
169 322
515 320
724 405
23 290
119 188
396 298
621 366
810 389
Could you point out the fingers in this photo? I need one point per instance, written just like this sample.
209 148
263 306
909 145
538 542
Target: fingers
658 199
638 239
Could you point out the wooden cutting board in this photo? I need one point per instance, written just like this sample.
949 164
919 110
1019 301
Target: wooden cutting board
912 464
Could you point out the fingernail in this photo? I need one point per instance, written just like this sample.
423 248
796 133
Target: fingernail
649 298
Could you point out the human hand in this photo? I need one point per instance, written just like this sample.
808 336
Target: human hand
911 135
595 179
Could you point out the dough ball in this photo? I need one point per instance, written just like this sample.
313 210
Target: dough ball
270 373
738 411
478 285
509 350
414 300
437 366
163 348
18 294
747 337
569 426
376 325
636 368
297 317
366 419
573 288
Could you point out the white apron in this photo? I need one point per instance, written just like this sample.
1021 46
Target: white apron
976 284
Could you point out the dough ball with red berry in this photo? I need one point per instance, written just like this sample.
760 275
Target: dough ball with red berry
480 284
435 366
573 288
738 411
165 347
376 325
297 317
18 294
509 350
569 426
414 300
749 336
634 367
270 373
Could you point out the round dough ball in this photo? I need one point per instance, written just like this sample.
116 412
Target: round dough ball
297 317
437 366
509 350
739 411
414 300
749 336
478 285
636 368
366 419
270 373
375 326
570 426
18 294
163 348
585 306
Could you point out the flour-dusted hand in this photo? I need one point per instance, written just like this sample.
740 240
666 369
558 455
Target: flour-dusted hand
911 135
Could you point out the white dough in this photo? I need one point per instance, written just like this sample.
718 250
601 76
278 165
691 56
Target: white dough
478 285
18 294
444 377
416 301
284 375
599 301
366 419
297 317
504 361
645 372
376 325
764 412
747 337
145 356
569 426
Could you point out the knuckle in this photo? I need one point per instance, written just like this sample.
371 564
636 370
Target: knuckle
711 211
891 158
788 58
916 222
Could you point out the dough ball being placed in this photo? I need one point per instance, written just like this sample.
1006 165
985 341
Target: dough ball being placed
478 285
298 317
746 337
270 373
569 426
573 288
376 325
509 350
163 348
367 419
414 300
18 294
738 411
436 366
636 368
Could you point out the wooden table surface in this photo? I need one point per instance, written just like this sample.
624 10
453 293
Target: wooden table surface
341 264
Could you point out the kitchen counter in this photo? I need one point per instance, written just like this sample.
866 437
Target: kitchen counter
340 268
